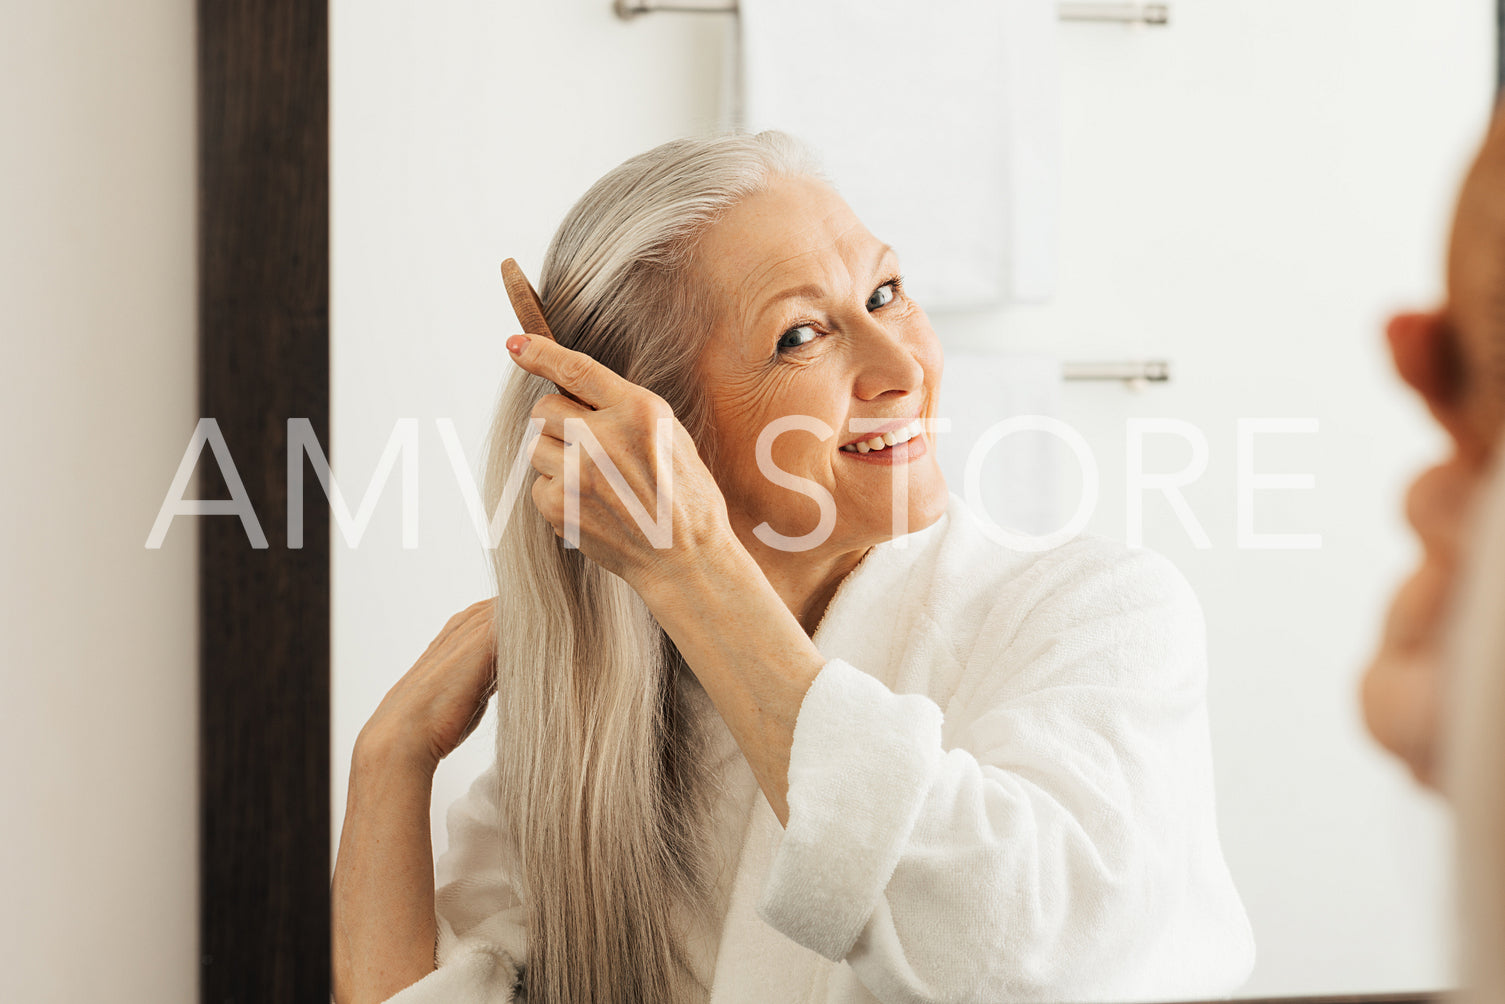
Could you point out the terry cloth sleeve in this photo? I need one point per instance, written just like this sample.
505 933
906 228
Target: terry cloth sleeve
1051 837
482 922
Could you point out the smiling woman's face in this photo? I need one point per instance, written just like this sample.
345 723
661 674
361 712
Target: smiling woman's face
812 321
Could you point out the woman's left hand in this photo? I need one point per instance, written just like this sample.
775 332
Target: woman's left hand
619 440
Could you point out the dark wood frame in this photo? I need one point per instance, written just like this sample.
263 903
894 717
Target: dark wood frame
263 69
264 864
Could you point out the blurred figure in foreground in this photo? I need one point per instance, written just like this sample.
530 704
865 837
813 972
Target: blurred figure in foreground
1434 693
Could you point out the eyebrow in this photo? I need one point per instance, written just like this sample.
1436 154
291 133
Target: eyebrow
810 291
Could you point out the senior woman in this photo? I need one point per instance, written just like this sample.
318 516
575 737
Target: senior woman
825 740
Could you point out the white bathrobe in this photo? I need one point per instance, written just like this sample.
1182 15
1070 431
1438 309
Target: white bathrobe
1000 789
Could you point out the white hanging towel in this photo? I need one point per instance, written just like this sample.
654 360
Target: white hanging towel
1021 473
937 120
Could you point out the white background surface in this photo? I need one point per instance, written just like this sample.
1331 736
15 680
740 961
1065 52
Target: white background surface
1247 193
98 396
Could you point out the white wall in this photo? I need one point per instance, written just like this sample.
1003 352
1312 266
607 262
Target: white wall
98 393
1246 193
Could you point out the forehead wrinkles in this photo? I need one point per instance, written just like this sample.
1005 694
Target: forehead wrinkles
828 259
765 281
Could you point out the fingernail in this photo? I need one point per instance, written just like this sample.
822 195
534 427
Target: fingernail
516 344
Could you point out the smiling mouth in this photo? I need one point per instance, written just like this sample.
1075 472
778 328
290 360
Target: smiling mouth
903 434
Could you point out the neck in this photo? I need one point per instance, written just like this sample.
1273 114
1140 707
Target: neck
806 580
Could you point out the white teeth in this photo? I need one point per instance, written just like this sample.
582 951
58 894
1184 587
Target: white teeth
887 439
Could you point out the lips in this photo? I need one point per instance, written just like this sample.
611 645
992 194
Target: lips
892 434
888 426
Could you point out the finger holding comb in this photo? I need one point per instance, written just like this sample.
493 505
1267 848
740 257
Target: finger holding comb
528 308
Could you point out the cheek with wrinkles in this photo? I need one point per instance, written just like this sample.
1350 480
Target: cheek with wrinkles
801 453
745 403
742 420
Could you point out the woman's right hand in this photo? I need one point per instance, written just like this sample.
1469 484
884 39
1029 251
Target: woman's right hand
440 700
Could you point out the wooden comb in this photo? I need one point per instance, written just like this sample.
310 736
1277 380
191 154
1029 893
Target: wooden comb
528 308
525 302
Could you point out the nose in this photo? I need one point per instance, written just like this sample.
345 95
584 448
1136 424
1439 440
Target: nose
888 364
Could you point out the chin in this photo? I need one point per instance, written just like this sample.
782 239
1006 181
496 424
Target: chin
931 507
925 507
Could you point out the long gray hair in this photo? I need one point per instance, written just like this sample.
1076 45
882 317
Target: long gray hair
601 787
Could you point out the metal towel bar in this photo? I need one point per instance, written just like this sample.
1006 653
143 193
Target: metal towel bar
1123 13
1137 372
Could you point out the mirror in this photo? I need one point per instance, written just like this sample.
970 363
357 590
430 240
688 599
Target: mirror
1246 192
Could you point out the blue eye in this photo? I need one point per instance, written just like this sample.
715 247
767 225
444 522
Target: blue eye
882 296
795 337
